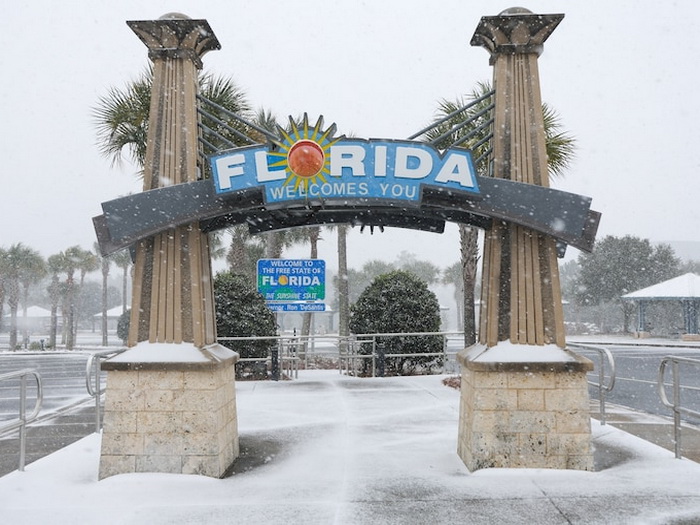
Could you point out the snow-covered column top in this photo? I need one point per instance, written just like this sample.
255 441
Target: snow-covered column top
515 30
176 45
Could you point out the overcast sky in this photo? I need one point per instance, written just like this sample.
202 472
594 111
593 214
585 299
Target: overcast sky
622 75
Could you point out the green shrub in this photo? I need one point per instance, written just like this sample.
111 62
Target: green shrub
123 326
399 302
242 312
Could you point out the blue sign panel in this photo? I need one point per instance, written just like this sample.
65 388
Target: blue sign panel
297 307
372 169
292 279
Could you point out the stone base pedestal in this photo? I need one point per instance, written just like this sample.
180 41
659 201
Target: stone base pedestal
642 335
170 408
690 337
524 406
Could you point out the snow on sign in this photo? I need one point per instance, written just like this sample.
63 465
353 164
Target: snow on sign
292 279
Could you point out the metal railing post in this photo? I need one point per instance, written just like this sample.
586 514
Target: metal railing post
374 356
274 361
604 354
676 385
676 404
96 371
23 419
381 359
92 379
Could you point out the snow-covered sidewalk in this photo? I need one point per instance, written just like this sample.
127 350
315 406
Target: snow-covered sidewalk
330 449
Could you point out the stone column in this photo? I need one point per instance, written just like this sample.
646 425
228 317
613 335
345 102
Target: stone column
170 399
524 397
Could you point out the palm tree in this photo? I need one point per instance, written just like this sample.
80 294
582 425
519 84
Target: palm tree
343 285
105 263
244 251
469 259
89 262
453 275
121 116
313 235
560 146
76 259
56 266
20 265
424 270
33 270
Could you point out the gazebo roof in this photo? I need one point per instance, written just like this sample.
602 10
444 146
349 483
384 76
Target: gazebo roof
33 311
686 286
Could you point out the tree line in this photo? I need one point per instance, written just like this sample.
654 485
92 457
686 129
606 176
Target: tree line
595 282
22 267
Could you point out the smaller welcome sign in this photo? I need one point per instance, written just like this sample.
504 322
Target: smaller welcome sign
309 164
292 279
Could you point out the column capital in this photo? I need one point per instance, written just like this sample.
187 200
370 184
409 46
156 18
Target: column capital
514 31
176 36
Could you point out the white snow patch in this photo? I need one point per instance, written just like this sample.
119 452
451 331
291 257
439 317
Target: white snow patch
334 449
146 352
507 352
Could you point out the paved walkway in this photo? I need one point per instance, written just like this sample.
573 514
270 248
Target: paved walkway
655 429
327 449
54 433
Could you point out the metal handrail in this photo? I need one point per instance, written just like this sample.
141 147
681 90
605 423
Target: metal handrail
23 419
347 351
359 339
602 388
93 368
676 404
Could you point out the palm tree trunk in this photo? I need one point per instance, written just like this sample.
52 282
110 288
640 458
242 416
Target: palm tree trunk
343 288
469 252
13 326
25 326
105 275
274 245
2 305
314 234
124 280
70 318
459 305
13 303
54 325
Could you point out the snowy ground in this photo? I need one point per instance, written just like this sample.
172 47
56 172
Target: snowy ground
330 449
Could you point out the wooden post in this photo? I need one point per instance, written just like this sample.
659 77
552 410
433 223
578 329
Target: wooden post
173 288
521 294
524 397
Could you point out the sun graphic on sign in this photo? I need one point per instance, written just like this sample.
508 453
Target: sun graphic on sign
304 152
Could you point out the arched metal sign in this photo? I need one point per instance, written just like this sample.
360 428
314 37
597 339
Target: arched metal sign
309 177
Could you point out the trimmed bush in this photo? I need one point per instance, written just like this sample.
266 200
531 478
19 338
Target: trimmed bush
399 302
242 312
